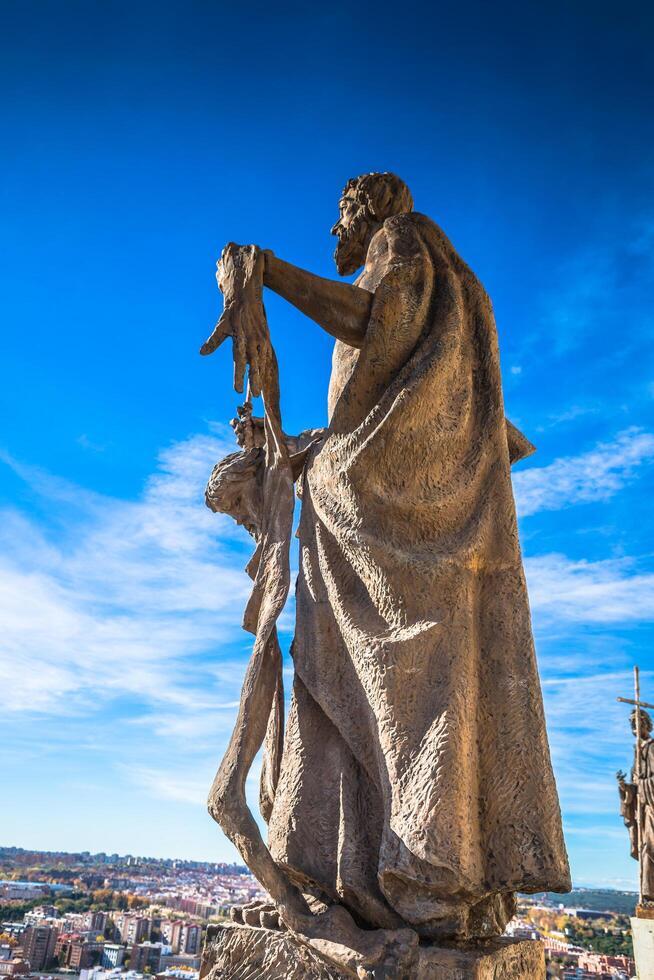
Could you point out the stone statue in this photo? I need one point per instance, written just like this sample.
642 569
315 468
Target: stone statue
412 793
639 795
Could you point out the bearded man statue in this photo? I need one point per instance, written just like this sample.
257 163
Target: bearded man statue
415 787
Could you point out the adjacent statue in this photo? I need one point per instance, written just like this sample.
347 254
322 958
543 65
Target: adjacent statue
412 793
637 802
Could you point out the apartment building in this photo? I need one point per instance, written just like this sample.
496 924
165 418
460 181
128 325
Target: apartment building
38 945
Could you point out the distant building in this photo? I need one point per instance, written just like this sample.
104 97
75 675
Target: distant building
23 891
97 973
13 968
42 912
77 953
145 955
205 909
166 930
112 955
587 914
85 954
132 928
189 938
599 964
38 943
171 933
95 921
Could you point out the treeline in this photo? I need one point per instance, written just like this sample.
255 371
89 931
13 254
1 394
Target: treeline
600 900
106 900
100 900
611 942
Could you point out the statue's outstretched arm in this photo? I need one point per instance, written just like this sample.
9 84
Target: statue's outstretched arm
343 310
243 270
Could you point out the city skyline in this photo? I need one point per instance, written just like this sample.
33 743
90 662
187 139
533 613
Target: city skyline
131 162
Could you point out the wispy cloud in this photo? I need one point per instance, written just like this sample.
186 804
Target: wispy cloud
180 785
162 784
590 739
570 414
595 475
122 595
610 591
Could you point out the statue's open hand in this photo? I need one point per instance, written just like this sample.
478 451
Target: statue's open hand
621 777
240 279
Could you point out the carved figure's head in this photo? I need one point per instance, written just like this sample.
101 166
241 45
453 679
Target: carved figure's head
365 204
645 723
235 488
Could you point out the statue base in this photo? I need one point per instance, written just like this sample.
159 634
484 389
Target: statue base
642 933
239 952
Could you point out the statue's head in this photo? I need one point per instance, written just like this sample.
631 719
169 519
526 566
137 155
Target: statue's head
365 204
645 723
235 488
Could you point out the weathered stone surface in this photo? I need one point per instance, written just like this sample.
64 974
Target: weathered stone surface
497 959
413 789
234 952
242 953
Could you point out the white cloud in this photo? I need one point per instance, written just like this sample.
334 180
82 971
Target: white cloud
124 595
591 476
609 591
181 787
570 414
596 832
590 739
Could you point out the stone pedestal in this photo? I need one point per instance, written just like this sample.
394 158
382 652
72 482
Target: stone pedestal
237 952
642 932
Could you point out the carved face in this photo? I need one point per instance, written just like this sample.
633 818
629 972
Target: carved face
234 488
353 230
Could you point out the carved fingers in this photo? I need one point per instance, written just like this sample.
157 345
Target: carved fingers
253 332
238 350
221 331
240 279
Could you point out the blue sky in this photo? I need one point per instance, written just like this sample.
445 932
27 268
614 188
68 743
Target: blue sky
137 140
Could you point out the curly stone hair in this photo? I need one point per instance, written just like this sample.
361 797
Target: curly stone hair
235 483
382 194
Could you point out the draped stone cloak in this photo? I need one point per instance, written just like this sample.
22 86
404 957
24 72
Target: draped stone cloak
416 778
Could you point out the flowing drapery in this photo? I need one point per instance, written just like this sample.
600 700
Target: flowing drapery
416 782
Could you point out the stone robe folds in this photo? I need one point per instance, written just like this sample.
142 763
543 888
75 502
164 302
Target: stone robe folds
416 782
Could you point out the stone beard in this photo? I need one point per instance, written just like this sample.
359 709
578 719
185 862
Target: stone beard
415 787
